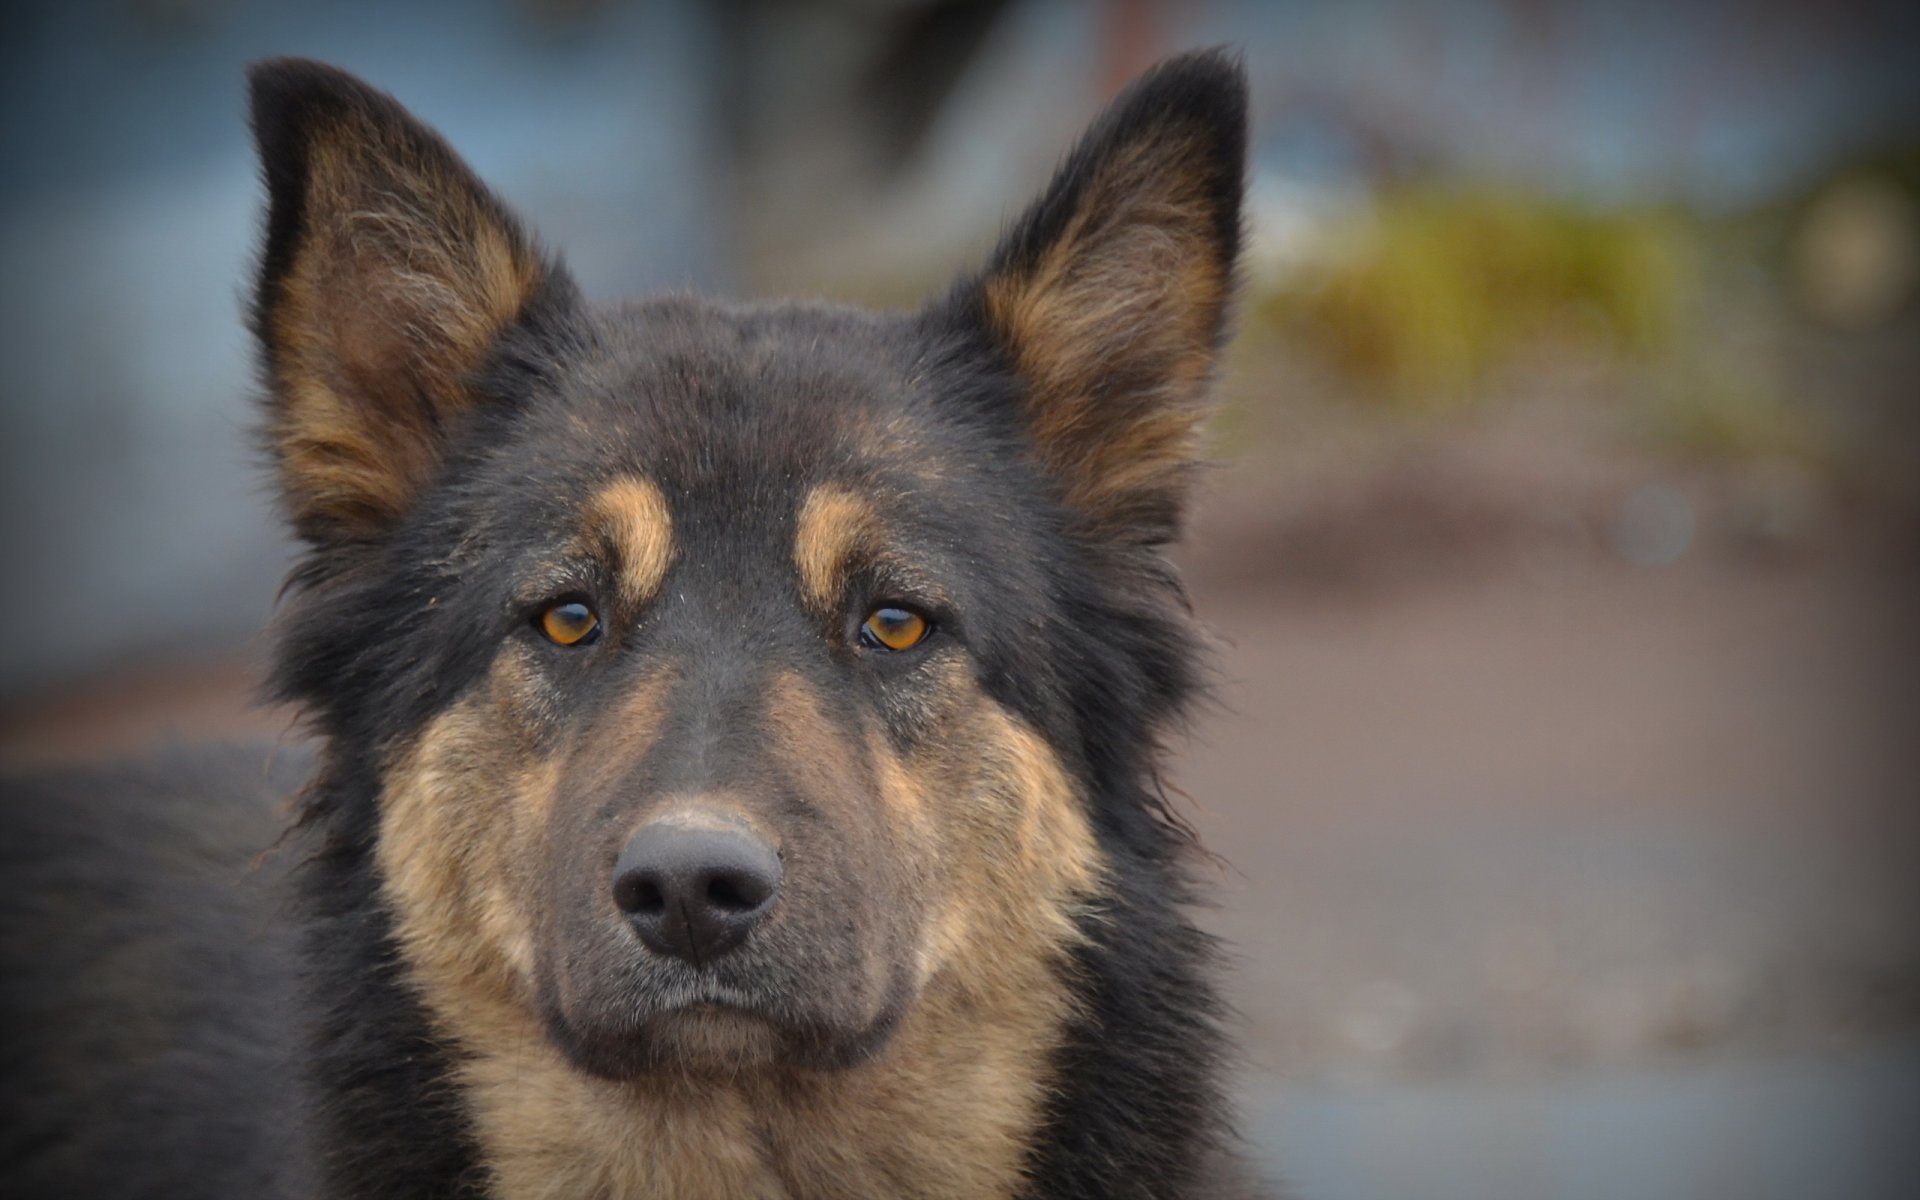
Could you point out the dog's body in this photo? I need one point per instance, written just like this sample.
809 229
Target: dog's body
153 1031
738 725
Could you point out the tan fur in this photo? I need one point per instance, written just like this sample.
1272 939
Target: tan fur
943 1112
833 525
1133 284
403 276
633 519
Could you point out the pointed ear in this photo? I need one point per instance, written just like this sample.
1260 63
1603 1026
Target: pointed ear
1111 294
387 273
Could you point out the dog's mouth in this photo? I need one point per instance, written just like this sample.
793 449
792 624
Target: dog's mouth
702 1023
713 1029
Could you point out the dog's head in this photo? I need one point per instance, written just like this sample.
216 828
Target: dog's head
736 677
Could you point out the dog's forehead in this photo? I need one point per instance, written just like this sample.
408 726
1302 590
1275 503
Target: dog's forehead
692 391
737 415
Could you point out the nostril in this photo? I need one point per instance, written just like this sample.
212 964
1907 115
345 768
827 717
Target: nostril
648 899
737 893
639 894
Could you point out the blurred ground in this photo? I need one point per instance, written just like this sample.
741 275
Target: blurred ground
1541 803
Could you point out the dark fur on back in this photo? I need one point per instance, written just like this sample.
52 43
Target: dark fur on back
1049 404
150 1015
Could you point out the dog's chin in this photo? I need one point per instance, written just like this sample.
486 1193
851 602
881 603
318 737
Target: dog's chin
714 1038
698 1038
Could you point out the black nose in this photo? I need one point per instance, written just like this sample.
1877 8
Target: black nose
694 893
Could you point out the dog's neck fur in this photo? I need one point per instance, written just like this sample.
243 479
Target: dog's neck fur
951 1108
946 1111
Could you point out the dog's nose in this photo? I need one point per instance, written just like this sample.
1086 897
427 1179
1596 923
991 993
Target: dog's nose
695 892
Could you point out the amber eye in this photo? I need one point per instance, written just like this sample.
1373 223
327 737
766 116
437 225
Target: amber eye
569 624
893 629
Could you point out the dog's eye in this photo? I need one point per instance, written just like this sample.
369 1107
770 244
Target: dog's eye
893 629
569 624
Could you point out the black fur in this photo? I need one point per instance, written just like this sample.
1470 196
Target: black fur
1085 638
151 1026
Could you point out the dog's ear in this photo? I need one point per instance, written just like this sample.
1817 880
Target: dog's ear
388 270
1111 294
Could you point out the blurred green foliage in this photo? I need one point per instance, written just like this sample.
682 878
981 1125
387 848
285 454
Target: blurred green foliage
1433 288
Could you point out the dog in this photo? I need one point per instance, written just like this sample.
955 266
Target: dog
737 727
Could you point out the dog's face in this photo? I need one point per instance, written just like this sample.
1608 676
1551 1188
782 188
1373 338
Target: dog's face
739 680
730 783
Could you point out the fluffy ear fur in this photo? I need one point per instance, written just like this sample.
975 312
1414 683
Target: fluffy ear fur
387 272
1111 294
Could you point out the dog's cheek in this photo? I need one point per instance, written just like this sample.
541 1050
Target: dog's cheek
1015 861
463 818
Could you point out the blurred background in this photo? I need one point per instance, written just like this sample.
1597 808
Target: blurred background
1563 550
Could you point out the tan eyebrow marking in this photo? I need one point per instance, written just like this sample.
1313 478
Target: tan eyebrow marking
833 525
632 515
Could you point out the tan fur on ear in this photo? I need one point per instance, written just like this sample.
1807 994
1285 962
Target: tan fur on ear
389 271
1112 294
1114 328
